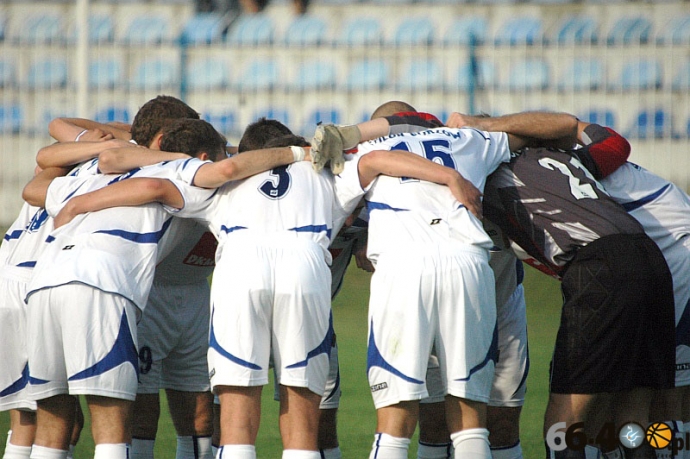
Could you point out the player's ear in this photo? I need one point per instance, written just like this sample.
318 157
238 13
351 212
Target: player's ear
203 156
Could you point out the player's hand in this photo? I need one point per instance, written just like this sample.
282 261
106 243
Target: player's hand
66 214
328 145
362 261
468 195
458 120
120 125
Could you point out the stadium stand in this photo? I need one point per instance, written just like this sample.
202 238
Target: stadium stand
204 29
681 80
40 28
8 73
206 74
158 74
414 31
577 29
641 74
49 73
261 74
521 30
148 30
652 124
314 75
10 118
582 75
603 116
465 28
367 75
113 113
306 30
483 76
362 31
676 32
421 75
105 73
251 30
630 30
529 74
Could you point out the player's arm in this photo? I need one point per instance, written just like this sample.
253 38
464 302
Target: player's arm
36 190
243 165
399 163
606 148
64 154
126 193
526 128
68 129
128 157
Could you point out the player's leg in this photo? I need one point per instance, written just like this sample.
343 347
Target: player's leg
330 402
54 421
466 421
77 428
240 413
145 414
192 415
21 434
299 418
434 438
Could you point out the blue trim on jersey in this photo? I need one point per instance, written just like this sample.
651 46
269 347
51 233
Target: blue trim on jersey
18 384
323 348
630 206
27 264
37 382
214 344
141 238
72 193
375 359
371 205
123 351
313 229
491 355
50 239
13 235
683 327
227 230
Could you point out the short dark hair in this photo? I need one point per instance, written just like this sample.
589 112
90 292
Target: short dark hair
287 141
391 108
193 137
155 114
259 132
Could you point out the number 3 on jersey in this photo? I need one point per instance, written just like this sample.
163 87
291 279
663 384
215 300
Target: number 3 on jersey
278 185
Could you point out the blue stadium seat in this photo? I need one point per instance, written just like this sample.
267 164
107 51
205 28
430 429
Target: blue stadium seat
652 124
414 31
224 122
368 74
251 30
463 28
676 32
604 117
583 75
114 113
520 30
362 31
48 73
3 26
421 75
105 73
630 30
484 76
325 116
207 74
273 113
681 81
204 29
145 29
41 28
260 75
101 29
640 74
577 29
306 30
154 74
528 75
315 74
11 118
8 75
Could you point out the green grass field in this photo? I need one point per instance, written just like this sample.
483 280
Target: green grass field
357 414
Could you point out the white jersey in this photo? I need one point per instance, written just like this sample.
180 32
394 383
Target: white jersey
114 250
191 257
663 209
269 203
405 211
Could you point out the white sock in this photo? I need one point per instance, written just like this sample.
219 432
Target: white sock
471 443
111 451
388 447
300 454
16 452
41 452
507 452
142 448
70 452
191 447
331 453
434 450
236 452
9 435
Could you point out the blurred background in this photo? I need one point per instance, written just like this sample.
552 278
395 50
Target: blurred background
624 64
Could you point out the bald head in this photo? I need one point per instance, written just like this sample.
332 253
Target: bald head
391 108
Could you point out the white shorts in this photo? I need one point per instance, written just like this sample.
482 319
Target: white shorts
510 376
331 396
678 259
81 341
271 299
440 297
173 339
14 369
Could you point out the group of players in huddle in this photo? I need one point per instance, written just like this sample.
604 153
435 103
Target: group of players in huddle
107 296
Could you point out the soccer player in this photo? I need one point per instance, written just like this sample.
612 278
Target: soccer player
616 337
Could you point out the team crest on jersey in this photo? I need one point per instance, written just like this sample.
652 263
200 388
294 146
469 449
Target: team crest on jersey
204 252
37 221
